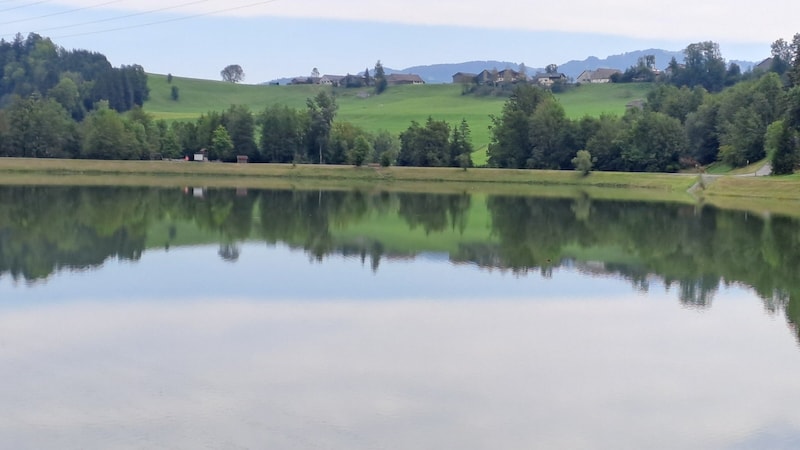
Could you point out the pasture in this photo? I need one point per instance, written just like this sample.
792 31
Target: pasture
392 111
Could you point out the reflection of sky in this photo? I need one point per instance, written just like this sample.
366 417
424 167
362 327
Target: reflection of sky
602 367
280 273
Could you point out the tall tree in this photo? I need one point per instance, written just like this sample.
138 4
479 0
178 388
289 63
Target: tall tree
321 112
380 78
221 145
794 70
283 132
461 146
239 122
510 146
232 73
785 157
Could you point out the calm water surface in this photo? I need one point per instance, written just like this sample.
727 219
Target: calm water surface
171 318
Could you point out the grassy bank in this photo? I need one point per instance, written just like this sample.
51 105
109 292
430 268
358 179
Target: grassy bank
757 194
41 170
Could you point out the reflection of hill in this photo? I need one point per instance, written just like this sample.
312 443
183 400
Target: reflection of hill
695 250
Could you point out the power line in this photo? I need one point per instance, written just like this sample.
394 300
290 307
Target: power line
111 19
61 12
24 6
159 22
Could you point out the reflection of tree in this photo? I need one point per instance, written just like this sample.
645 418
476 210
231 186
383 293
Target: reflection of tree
43 229
691 249
696 249
434 212
229 251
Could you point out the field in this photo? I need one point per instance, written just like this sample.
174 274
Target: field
392 111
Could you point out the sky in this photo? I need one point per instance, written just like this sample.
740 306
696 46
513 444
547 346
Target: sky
285 38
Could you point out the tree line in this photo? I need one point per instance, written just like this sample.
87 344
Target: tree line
683 123
39 127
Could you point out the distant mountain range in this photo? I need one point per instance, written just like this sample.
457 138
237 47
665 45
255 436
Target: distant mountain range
443 73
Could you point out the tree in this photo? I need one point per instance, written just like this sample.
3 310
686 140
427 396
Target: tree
380 78
239 123
321 112
367 78
551 68
174 93
359 153
314 73
461 146
425 146
785 157
221 144
106 137
583 162
523 72
704 66
794 69
67 94
283 132
232 73
40 128
510 146
385 148
169 78
655 144
548 132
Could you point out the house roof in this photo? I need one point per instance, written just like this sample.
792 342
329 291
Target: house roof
765 64
333 77
598 74
551 76
407 77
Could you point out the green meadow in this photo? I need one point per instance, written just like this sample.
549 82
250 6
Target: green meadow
392 111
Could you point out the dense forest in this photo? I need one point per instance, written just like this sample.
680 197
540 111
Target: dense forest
70 104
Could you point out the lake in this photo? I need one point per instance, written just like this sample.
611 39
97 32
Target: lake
368 319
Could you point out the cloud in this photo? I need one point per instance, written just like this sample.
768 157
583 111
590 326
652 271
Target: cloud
681 20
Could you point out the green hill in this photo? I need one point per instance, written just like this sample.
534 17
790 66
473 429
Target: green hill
392 111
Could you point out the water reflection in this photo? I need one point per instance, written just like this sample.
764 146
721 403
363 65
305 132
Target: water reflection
351 319
694 250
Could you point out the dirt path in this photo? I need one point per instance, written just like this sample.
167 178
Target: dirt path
706 180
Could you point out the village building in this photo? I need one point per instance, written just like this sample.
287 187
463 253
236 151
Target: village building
464 78
597 76
548 79
397 79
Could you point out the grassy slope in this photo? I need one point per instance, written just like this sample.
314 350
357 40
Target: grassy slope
392 111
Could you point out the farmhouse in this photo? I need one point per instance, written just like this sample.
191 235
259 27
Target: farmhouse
507 76
331 80
396 79
547 79
464 78
597 76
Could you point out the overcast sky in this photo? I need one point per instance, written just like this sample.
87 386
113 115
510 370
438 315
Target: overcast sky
284 38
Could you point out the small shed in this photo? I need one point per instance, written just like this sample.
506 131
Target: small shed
242 159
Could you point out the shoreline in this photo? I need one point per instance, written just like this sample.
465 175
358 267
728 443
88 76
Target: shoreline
758 194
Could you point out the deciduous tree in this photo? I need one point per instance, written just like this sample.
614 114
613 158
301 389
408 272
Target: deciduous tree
232 73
